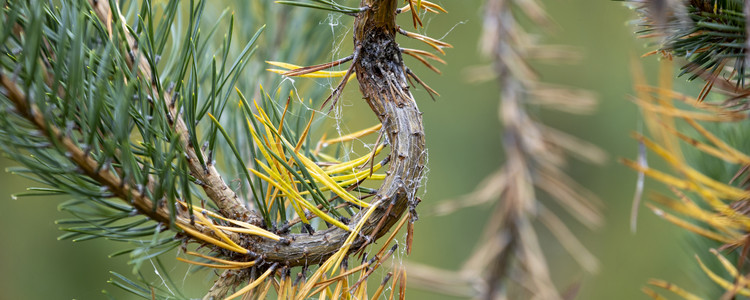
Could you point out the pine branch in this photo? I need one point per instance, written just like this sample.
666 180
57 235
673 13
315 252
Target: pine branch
87 164
205 172
508 262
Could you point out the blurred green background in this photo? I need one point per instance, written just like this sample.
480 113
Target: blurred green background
463 135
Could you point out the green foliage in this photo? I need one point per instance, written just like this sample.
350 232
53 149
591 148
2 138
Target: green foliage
323 5
709 34
78 72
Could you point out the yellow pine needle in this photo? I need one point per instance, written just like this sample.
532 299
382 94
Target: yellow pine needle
691 210
252 229
423 53
393 285
223 261
423 61
333 262
316 74
324 283
218 231
350 137
273 148
281 127
279 149
283 115
296 206
393 235
694 102
653 294
359 175
345 286
713 151
347 182
436 44
304 133
327 158
718 142
210 240
354 234
352 164
317 275
349 179
326 293
268 126
323 286
283 286
721 281
318 173
277 169
402 285
647 54
674 289
271 196
690 227
724 209
362 292
213 266
323 178
337 291
315 170
258 142
326 286
291 289
669 180
322 296
263 294
406 8
728 266
282 171
428 6
379 259
659 176
296 197
676 112
380 289
726 191
326 180
285 188
252 285
276 284
415 14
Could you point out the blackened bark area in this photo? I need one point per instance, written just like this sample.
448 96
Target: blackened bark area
379 60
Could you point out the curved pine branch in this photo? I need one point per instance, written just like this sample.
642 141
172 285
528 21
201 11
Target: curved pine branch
382 78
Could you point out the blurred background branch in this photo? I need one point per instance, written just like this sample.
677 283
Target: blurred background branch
509 263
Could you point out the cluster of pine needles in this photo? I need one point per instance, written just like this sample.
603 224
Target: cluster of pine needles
699 137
